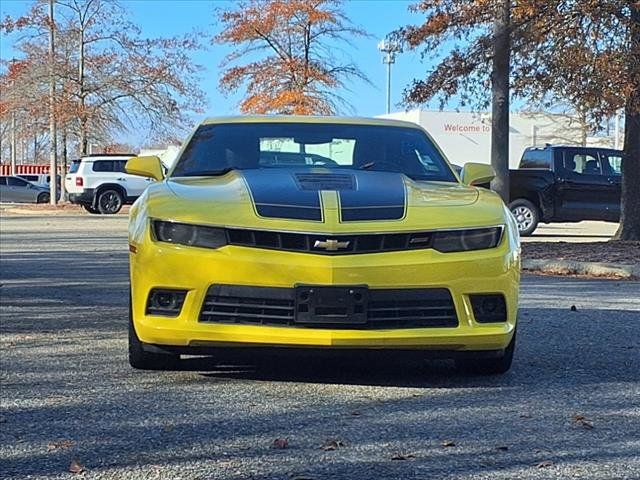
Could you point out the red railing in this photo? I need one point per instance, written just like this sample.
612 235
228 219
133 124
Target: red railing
5 169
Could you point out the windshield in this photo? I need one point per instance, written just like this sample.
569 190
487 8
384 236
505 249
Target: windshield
216 149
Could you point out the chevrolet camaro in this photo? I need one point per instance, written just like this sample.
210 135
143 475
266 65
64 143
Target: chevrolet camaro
320 234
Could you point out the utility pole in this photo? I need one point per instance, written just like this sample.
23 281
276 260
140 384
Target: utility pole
53 143
389 48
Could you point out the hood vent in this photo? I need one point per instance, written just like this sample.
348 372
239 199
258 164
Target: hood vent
325 181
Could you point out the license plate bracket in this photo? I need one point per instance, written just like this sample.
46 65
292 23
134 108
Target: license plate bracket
321 305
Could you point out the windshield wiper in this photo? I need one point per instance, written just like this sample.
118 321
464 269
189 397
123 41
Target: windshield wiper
210 173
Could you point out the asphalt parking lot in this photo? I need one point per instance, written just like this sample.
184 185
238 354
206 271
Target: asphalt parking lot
569 408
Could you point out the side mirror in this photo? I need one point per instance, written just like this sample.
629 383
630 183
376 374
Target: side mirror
477 173
150 166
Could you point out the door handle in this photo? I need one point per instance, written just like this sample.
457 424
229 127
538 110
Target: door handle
122 179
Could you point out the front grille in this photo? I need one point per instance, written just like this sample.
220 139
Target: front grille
386 308
316 243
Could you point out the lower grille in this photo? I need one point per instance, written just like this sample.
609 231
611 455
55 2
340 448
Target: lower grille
385 309
248 305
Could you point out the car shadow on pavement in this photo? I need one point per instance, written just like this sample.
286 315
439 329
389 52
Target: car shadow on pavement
429 373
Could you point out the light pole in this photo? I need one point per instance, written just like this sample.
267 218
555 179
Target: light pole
389 48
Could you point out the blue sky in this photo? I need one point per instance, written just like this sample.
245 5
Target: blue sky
173 17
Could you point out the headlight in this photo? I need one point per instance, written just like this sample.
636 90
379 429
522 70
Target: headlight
465 240
192 235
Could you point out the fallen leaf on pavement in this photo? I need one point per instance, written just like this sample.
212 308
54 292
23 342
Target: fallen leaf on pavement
331 445
76 466
544 464
502 448
448 443
62 444
280 443
583 421
403 456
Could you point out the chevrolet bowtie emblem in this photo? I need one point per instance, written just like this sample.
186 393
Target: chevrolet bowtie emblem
330 245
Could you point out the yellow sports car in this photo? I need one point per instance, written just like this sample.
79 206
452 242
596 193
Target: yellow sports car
323 234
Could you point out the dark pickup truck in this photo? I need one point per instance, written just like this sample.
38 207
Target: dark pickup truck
565 184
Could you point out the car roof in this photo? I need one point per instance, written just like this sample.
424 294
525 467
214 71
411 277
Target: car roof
106 156
558 146
310 119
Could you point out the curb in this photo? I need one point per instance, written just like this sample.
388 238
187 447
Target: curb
592 269
47 212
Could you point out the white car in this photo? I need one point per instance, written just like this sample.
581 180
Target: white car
100 184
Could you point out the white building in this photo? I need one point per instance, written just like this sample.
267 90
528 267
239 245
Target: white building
466 137
166 155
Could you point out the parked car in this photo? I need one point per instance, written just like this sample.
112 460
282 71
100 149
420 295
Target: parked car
100 184
370 249
42 179
17 189
565 184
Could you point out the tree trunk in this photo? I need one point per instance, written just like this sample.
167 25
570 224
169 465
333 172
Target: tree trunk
500 100
63 172
53 134
630 201
14 152
83 114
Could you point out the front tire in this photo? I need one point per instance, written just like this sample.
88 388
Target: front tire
526 214
489 366
109 202
43 198
142 360
90 209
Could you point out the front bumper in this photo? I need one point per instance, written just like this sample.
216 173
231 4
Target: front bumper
161 265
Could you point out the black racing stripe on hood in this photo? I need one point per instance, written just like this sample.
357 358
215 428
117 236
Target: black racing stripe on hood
377 196
276 194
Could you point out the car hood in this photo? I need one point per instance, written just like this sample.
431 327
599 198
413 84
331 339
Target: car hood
322 201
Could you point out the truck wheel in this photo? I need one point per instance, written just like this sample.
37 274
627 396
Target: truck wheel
489 366
142 360
90 209
109 202
526 214
43 198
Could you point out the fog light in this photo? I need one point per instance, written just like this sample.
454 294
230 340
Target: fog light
489 308
167 302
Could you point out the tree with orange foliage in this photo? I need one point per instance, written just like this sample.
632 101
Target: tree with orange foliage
289 47
110 78
584 53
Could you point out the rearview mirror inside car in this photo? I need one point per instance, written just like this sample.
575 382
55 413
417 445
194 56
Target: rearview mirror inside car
477 173
149 166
